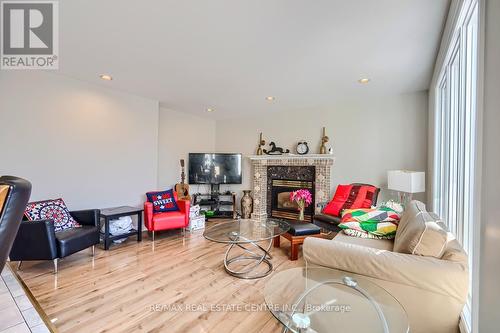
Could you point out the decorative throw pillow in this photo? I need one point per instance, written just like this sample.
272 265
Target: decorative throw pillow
364 234
350 197
54 210
163 201
378 228
373 215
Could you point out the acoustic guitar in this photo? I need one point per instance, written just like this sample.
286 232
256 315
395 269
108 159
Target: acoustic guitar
182 189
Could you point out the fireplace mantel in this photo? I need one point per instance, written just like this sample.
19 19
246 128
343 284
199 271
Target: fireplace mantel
260 163
292 157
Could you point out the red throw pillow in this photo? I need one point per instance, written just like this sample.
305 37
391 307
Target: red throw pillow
350 197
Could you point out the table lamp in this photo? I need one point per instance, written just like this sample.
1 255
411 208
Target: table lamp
406 183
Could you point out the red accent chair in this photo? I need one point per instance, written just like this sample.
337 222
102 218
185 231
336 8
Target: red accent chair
168 220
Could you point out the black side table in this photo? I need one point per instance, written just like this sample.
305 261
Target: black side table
116 212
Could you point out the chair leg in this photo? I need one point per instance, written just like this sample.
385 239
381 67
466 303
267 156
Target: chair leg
153 235
93 250
19 265
55 265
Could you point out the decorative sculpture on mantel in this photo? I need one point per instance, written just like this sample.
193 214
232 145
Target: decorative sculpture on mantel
261 143
324 140
275 150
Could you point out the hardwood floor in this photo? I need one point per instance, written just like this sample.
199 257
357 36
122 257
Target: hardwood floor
131 287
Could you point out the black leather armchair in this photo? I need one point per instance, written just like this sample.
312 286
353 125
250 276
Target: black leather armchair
37 240
14 196
330 222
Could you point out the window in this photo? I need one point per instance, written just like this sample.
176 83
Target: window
455 133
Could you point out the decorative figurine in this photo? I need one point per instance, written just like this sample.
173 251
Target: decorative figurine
261 143
275 150
324 139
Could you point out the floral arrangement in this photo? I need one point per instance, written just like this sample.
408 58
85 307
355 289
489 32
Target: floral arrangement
303 198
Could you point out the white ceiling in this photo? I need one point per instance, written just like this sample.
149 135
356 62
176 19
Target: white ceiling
230 54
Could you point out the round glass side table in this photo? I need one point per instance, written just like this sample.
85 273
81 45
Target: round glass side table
327 300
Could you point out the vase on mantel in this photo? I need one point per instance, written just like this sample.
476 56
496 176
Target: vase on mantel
246 204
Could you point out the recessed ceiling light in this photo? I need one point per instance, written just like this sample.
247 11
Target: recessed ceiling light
270 98
364 80
106 77
210 110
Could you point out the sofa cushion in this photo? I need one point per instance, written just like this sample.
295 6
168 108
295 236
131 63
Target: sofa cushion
73 240
419 233
54 210
327 222
335 220
170 220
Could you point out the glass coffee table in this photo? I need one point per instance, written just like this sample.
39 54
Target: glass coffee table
327 300
244 257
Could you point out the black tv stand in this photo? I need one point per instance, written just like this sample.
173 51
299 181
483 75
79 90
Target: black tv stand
214 189
216 205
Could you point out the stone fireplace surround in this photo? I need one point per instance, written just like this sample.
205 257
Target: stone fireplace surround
322 182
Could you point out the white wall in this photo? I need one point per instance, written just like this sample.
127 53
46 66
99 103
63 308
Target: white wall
369 136
180 134
97 147
94 147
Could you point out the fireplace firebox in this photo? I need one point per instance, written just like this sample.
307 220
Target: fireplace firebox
281 181
282 207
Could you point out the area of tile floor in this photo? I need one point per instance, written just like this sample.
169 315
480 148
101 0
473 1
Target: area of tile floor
17 314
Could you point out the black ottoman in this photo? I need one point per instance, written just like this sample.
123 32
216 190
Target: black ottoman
296 235
298 228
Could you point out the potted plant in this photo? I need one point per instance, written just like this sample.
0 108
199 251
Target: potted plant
303 198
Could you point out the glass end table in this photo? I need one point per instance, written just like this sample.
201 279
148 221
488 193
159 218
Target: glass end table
246 234
327 300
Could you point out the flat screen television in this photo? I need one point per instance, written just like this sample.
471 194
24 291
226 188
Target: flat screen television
212 168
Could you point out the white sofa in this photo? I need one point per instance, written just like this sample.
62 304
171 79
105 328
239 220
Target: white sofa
432 288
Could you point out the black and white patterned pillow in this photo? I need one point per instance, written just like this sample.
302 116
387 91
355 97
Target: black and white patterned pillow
54 210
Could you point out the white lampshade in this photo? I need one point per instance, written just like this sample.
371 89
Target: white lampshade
406 181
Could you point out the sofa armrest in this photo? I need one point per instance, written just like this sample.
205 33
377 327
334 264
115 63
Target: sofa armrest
148 215
184 208
87 217
427 273
35 240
